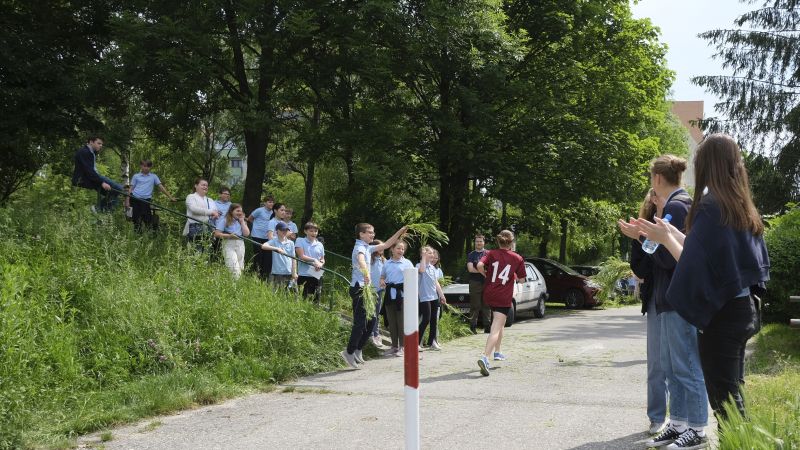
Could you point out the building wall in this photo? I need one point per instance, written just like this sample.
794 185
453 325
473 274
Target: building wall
688 111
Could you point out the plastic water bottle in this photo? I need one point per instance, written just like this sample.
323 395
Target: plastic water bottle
650 246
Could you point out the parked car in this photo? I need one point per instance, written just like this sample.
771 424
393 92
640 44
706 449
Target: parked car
530 295
586 271
567 285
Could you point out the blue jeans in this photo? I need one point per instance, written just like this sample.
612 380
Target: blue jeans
108 200
656 378
680 358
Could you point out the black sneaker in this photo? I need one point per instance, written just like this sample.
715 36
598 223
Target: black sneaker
666 437
689 440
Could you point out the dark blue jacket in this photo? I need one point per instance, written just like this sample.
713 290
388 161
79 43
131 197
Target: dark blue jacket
663 263
84 174
642 267
717 263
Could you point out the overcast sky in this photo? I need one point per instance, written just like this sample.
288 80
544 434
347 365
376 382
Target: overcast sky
680 22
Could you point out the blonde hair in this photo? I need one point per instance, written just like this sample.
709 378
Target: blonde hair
648 209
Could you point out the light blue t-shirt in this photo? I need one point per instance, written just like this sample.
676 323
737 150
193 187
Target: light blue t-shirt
234 228
311 249
392 272
365 249
222 207
143 185
282 264
375 270
260 221
427 284
292 227
271 225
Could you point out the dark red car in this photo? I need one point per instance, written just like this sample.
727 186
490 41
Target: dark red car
567 285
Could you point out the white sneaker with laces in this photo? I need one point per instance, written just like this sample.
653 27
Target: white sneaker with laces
359 356
349 359
435 345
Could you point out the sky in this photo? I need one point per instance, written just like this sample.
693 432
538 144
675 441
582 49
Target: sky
688 56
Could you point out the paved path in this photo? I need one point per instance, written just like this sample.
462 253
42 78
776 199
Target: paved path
574 380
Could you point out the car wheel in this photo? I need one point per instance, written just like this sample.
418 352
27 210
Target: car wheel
512 314
574 298
538 312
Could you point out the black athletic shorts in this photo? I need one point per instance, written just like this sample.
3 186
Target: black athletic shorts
505 310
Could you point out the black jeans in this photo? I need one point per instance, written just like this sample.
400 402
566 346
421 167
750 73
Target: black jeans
430 314
261 263
142 214
312 287
721 346
361 326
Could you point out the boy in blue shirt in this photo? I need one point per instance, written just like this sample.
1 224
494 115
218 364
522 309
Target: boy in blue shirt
284 269
141 188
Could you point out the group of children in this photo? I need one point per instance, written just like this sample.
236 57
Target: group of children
385 276
277 248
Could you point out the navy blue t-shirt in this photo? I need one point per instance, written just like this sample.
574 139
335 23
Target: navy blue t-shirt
474 257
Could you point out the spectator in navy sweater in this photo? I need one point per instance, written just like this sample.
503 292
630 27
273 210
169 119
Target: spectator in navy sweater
85 175
723 266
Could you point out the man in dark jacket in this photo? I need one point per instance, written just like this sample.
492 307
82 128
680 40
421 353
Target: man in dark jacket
86 176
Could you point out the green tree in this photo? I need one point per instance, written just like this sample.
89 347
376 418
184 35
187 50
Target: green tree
46 82
761 97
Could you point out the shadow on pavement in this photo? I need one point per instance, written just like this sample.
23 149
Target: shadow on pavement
465 375
631 441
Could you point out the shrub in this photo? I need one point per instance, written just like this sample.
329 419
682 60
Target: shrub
783 244
612 270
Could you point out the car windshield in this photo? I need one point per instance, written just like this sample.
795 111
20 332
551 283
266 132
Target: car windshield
563 267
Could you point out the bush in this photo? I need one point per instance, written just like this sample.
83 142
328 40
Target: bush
611 271
783 244
99 325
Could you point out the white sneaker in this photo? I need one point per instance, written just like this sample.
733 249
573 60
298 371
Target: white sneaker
435 346
359 356
378 342
399 353
656 427
390 352
349 359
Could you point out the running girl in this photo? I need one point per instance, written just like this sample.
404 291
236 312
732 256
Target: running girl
500 267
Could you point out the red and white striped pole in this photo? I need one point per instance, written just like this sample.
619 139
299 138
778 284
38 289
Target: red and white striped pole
411 355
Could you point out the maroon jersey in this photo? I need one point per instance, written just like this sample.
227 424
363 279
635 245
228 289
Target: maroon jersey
502 268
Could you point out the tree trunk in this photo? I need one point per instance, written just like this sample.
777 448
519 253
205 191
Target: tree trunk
453 191
256 143
308 204
562 248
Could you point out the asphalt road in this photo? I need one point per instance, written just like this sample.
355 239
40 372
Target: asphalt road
574 380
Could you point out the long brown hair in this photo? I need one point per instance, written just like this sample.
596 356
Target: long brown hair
229 219
718 166
648 208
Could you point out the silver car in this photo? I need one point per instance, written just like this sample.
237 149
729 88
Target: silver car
530 295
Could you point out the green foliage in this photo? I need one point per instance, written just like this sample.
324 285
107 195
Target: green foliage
99 325
783 244
611 270
772 400
760 102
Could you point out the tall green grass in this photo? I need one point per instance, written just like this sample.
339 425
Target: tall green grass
772 395
99 325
